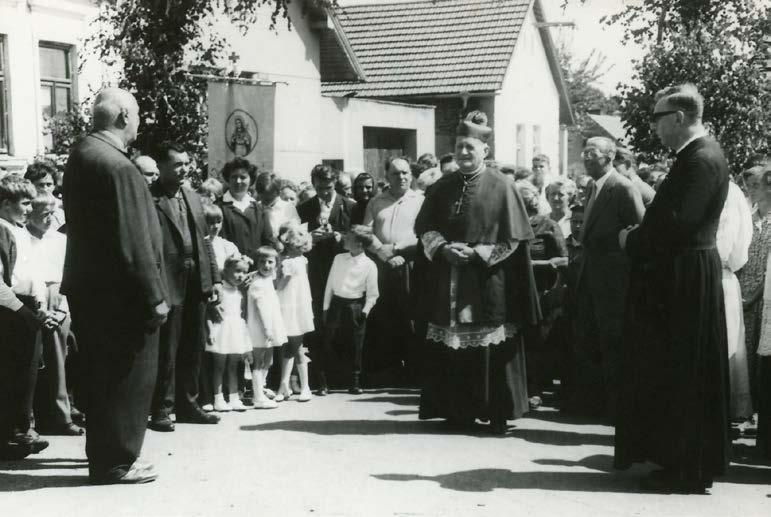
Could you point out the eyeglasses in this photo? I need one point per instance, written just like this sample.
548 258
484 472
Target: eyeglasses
661 114
591 154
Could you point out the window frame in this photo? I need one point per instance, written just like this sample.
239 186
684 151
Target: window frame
69 83
5 115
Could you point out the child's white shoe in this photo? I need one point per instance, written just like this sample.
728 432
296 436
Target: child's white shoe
220 404
207 407
269 393
305 395
265 404
235 403
284 393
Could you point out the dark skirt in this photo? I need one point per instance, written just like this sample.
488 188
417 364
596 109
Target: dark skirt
764 413
480 382
673 409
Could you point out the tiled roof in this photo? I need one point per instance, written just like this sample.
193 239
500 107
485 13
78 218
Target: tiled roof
430 47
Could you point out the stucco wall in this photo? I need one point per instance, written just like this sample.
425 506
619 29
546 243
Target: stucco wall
59 21
310 127
345 119
529 97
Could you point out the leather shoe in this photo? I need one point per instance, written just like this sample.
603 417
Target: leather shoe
162 424
197 416
136 474
68 429
14 451
322 391
30 439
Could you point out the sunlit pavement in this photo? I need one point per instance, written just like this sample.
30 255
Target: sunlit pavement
369 455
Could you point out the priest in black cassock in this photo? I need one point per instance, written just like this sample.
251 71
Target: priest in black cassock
673 408
479 292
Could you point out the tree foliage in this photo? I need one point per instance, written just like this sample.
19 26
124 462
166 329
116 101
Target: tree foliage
716 45
153 43
581 78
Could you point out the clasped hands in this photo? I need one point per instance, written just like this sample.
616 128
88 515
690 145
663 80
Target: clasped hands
325 232
458 253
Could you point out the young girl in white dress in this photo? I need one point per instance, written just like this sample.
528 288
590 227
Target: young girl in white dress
294 293
265 324
223 248
229 338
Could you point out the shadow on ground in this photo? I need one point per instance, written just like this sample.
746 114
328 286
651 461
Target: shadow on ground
14 475
401 412
560 417
487 480
564 438
399 400
367 427
44 464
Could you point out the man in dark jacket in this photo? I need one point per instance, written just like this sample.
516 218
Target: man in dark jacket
328 216
192 278
113 281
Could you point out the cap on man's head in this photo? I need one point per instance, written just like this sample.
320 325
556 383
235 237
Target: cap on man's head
474 125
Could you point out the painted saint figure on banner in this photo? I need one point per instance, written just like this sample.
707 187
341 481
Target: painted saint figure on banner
238 134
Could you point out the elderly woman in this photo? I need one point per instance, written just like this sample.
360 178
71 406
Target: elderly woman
764 331
548 251
43 175
752 275
560 194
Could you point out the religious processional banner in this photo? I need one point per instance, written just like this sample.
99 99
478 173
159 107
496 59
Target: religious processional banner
241 123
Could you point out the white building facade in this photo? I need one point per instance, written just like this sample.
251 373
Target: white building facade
39 45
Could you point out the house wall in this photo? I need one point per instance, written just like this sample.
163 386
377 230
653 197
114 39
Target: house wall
345 120
310 127
24 24
528 98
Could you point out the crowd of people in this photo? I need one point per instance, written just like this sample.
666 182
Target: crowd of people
634 296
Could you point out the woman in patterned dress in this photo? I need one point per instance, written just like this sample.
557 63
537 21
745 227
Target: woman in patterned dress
752 275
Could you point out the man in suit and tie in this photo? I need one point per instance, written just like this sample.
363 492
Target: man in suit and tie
603 275
114 284
328 216
192 278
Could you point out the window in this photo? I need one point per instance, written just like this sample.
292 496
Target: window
521 145
56 83
536 140
4 139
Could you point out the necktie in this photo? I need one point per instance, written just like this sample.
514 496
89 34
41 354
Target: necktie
590 203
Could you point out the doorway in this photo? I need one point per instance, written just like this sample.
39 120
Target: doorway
382 142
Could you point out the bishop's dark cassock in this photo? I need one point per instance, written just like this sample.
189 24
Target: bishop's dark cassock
474 356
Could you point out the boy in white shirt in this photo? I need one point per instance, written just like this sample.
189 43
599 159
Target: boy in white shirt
21 320
350 294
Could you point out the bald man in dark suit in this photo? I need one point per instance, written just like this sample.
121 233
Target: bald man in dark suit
113 281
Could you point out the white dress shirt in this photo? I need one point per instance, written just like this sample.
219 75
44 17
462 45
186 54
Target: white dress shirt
393 219
352 278
49 253
326 209
25 279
